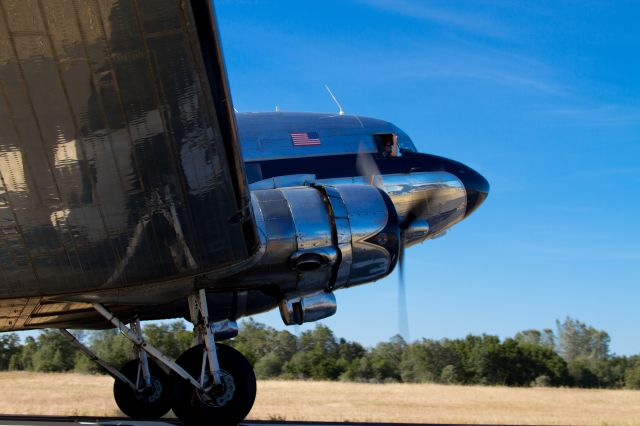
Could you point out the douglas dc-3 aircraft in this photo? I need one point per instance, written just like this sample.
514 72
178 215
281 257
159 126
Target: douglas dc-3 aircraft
130 191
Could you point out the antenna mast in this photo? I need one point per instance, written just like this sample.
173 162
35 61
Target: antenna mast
341 111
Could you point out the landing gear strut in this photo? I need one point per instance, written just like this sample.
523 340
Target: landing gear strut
208 384
141 388
228 384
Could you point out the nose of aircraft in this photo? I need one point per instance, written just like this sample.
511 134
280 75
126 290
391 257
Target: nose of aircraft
476 185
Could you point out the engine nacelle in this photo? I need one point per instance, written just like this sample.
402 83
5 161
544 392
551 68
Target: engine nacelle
308 308
317 239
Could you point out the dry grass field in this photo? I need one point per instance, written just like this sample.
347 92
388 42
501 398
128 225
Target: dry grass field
75 394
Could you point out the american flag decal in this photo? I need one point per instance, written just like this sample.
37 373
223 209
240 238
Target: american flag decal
305 138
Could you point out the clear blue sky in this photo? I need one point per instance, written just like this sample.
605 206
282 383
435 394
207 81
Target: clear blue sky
541 98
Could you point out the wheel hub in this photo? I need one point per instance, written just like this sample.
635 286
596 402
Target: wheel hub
220 395
150 394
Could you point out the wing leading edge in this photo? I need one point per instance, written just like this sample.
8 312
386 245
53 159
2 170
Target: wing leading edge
119 158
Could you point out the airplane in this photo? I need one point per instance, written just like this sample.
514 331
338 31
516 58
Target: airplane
130 190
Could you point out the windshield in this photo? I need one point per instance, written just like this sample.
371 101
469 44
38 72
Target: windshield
406 145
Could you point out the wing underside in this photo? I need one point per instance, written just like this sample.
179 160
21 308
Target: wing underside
119 160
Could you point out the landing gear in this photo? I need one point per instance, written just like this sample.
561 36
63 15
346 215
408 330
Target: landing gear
141 388
150 402
224 404
208 384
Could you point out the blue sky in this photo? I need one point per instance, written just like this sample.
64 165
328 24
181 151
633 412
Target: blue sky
542 98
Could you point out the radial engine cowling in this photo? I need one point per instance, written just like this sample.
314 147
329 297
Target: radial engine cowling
321 238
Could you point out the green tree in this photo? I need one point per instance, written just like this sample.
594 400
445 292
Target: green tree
492 363
586 350
317 358
54 353
266 348
349 355
424 361
448 375
253 340
386 358
545 337
9 348
268 367
283 345
543 361
23 360
360 370
576 340
112 346
172 339
632 378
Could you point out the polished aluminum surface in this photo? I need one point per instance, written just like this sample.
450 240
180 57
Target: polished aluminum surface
294 222
267 136
444 194
343 235
367 215
283 181
312 232
225 329
308 308
320 238
118 159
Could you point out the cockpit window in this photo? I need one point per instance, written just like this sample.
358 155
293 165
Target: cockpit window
387 144
406 145
404 141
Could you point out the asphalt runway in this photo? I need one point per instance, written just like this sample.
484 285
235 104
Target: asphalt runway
17 420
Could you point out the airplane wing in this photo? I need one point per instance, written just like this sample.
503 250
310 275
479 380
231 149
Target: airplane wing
119 159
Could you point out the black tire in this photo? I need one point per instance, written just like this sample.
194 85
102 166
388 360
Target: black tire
198 408
152 404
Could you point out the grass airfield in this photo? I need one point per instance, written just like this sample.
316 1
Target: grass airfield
85 395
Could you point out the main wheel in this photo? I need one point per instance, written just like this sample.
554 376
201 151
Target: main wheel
151 403
224 405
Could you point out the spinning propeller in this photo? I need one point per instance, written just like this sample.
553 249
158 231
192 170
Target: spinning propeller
368 168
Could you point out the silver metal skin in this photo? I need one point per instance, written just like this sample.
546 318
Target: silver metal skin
317 238
418 231
223 330
266 136
367 215
312 233
344 240
311 307
443 193
284 181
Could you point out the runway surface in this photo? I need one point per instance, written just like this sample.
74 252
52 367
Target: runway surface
16 420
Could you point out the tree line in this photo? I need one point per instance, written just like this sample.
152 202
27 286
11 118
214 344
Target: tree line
574 354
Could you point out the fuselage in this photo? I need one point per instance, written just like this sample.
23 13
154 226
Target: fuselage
297 222
451 189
